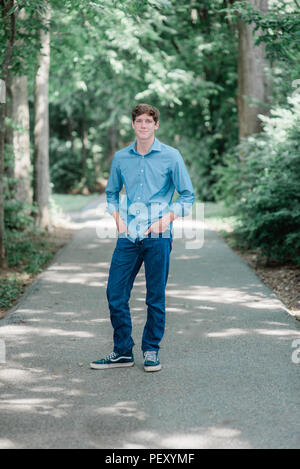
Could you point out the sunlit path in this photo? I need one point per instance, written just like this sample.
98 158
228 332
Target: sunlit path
229 378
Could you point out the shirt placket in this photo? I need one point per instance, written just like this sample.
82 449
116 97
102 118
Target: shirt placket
140 192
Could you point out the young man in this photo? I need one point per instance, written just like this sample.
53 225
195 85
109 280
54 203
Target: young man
150 172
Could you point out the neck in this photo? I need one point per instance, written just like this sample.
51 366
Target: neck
144 146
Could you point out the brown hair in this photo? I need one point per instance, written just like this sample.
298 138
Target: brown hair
145 109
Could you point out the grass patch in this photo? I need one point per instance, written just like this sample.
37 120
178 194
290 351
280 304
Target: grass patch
71 202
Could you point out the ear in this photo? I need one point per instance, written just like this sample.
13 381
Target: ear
156 125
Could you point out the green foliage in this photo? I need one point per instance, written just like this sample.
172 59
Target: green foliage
107 55
18 215
27 27
279 27
26 246
260 178
10 289
70 202
180 57
28 249
279 31
262 181
65 167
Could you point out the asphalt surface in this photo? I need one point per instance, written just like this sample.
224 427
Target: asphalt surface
230 355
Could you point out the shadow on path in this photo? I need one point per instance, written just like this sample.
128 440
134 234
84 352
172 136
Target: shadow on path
228 379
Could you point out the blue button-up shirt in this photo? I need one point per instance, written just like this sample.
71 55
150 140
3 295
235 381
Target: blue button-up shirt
150 181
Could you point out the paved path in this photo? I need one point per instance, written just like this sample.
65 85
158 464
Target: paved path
229 379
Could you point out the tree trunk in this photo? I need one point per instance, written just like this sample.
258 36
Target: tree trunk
9 23
2 227
41 129
84 142
19 138
252 85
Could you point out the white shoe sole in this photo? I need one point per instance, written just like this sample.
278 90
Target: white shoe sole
152 368
94 366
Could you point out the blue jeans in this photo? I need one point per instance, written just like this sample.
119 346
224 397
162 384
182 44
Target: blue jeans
127 260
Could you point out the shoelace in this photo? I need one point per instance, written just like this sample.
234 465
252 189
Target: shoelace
150 356
111 355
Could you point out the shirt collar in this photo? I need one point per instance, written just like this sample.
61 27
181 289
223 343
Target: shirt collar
156 146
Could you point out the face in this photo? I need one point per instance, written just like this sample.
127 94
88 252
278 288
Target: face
144 127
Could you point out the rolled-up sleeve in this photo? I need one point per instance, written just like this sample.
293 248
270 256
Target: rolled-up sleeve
113 188
184 187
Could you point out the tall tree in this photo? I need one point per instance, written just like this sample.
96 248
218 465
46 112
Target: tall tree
20 139
9 23
252 84
41 126
18 111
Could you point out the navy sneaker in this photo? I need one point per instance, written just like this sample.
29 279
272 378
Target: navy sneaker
114 360
151 361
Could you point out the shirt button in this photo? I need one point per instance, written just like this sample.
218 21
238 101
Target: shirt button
137 211
141 184
142 170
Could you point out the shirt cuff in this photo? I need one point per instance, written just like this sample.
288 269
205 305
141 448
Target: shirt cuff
181 209
111 208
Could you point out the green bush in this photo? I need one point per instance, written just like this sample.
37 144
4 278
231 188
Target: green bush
18 215
262 181
10 289
27 249
65 166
